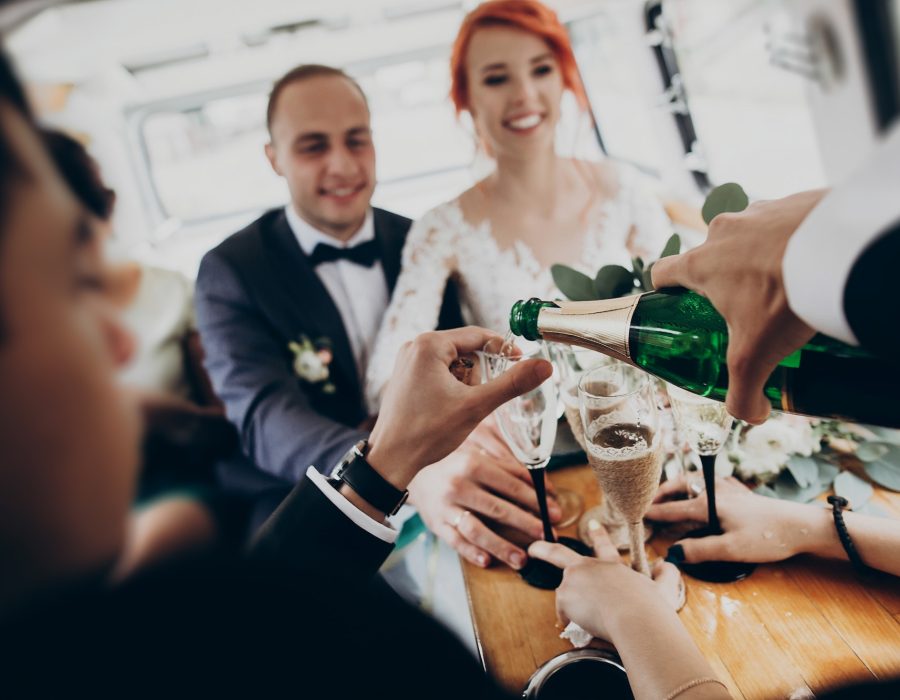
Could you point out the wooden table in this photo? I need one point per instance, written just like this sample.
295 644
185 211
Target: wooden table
801 624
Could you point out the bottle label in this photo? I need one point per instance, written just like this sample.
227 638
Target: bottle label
601 325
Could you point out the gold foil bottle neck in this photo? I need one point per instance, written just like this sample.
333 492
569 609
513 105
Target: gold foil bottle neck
601 325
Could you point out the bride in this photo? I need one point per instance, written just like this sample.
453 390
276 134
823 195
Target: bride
510 66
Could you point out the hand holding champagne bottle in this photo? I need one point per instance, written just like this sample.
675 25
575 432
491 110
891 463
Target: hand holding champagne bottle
739 269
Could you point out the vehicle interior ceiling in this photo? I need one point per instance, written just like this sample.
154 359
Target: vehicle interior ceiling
170 95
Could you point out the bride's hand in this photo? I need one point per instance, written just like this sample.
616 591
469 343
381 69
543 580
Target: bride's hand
598 594
480 483
756 528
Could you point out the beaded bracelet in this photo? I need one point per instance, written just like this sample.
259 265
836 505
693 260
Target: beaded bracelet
693 684
838 503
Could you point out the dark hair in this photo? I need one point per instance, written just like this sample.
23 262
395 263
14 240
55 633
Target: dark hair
11 168
80 172
12 94
299 74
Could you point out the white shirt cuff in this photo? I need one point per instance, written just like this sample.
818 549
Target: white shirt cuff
383 532
821 253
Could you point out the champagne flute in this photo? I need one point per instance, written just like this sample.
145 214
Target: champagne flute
705 426
528 425
621 429
569 364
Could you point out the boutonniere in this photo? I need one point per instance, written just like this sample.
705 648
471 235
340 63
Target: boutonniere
312 360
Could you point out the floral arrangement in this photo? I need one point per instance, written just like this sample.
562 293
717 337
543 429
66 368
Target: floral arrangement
312 360
798 458
788 456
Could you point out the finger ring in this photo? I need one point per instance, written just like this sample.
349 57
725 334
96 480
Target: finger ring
458 519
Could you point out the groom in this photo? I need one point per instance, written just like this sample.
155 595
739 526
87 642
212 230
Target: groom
288 308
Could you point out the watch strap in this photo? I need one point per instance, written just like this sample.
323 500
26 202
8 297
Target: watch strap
359 475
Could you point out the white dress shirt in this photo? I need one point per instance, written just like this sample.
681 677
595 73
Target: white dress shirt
360 293
382 530
823 250
361 296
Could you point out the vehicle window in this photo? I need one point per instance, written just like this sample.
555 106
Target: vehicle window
207 160
751 116
618 100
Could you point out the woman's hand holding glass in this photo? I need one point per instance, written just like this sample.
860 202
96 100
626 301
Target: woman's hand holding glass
755 528
601 593
705 426
621 429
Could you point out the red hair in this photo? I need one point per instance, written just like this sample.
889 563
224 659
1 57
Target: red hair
528 15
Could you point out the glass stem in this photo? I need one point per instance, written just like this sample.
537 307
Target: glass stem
537 478
709 478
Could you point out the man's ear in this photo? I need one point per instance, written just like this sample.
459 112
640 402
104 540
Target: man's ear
273 161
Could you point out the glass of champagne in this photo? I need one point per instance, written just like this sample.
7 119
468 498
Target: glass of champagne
528 425
569 364
705 425
624 447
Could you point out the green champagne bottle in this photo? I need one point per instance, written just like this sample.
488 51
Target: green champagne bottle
678 336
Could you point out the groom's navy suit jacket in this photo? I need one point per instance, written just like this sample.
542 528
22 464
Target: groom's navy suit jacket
256 293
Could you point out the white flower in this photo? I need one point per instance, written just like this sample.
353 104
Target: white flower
724 466
309 366
765 449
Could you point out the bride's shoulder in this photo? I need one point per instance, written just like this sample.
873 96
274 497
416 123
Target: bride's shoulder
457 215
441 217
606 176
438 227
619 180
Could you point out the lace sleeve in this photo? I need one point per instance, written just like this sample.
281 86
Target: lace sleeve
651 227
428 260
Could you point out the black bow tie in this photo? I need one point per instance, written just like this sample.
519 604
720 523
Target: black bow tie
363 254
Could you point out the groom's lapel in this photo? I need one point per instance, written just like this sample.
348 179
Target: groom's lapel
390 239
307 302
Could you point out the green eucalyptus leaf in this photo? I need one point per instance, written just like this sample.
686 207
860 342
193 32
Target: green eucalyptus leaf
854 489
672 247
765 490
827 471
872 508
786 488
886 434
613 281
872 451
805 470
729 197
638 265
646 279
885 471
576 285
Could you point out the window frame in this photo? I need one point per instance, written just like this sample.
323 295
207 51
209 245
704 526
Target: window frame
679 106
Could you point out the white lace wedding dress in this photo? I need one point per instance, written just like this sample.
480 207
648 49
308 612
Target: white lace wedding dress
443 244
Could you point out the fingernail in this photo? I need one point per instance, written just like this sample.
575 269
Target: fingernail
593 525
517 559
555 511
675 555
482 560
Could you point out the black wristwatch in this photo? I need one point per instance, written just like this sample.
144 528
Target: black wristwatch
357 473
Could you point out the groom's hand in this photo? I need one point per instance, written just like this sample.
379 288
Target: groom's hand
427 413
480 484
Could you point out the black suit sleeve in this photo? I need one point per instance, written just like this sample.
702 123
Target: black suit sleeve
308 532
871 296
